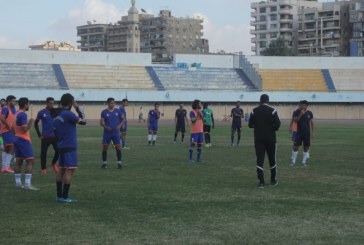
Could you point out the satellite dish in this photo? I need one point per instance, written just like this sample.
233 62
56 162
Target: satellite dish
143 10
88 22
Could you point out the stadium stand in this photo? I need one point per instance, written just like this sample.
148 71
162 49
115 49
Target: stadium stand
21 75
174 78
103 77
348 79
293 80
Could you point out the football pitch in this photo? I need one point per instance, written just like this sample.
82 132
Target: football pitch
158 198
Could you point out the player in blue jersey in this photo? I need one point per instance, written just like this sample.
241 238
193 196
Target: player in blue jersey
305 130
181 121
65 128
124 128
237 114
47 135
2 104
152 122
111 120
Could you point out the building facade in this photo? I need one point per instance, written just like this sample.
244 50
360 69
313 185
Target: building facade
162 35
276 18
324 31
54 46
356 11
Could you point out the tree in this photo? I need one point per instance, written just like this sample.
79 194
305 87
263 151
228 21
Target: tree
278 47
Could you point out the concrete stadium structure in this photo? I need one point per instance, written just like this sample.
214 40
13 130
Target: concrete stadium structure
335 86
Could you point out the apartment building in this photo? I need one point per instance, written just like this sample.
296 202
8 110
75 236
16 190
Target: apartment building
356 11
276 18
324 31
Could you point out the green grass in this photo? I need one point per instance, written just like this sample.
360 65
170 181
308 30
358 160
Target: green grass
160 199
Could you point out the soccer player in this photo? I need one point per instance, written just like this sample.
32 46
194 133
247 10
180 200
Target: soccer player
152 121
47 136
7 117
23 146
208 122
196 116
181 121
265 121
65 128
2 104
305 129
111 120
124 128
237 114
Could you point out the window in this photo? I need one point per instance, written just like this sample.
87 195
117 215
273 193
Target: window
263 18
273 9
262 10
262 44
273 26
262 36
262 27
273 35
273 17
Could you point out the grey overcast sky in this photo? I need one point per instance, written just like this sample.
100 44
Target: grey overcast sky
28 22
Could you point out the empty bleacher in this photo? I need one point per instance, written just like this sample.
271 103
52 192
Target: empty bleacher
104 77
30 76
293 80
173 78
348 79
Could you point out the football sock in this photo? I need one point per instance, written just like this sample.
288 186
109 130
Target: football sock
190 152
3 155
66 188
17 179
199 152
305 156
118 155
183 137
239 136
59 189
28 179
154 138
104 156
123 143
175 136
149 137
294 156
232 138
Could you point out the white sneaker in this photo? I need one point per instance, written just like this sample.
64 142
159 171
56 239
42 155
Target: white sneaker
31 188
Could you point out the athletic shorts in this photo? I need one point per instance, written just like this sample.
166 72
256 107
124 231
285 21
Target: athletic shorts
68 160
294 136
23 149
180 127
124 128
8 138
153 127
235 126
108 137
304 139
196 138
206 128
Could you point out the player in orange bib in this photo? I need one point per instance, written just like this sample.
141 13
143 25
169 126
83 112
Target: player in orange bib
196 116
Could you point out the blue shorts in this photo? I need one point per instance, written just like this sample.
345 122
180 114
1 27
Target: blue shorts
124 128
108 137
68 160
153 127
196 138
8 138
294 136
181 127
304 139
236 126
23 149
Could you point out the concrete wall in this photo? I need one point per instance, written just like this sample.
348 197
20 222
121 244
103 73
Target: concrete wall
182 96
83 58
320 111
264 62
207 61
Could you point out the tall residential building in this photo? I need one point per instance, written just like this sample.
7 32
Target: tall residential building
324 31
93 37
356 11
276 18
161 35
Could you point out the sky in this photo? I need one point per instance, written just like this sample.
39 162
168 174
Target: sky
29 22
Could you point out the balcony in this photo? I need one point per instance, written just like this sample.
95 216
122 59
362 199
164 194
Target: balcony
254 49
286 20
286 29
285 11
253 32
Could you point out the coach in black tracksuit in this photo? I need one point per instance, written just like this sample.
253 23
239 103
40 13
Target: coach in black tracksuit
265 121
